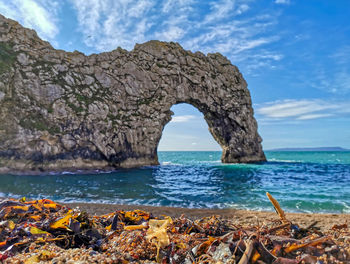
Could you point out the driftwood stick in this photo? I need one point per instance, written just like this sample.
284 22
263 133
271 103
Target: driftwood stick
278 227
311 243
247 253
277 208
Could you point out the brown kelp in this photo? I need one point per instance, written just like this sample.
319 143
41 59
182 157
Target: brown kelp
43 231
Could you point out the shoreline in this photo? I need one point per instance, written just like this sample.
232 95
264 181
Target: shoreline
325 221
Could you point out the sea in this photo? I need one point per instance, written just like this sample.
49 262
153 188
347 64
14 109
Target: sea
309 182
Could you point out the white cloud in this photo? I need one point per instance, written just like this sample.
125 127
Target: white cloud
172 33
290 108
182 119
341 56
107 24
219 10
171 6
40 15
253 43
303 109
334 80
313 116
238 39
242 8
286 2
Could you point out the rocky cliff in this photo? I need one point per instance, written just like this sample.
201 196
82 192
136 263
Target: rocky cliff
64 110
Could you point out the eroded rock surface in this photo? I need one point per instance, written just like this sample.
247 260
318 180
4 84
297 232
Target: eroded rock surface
65 110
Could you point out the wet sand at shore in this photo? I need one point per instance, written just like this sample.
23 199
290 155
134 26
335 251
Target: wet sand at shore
324 221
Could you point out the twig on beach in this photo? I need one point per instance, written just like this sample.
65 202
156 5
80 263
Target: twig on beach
278 208
274 229
248 252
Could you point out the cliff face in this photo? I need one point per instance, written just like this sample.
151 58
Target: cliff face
64 110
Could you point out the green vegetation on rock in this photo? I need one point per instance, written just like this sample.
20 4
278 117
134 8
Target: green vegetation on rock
38 122
7 57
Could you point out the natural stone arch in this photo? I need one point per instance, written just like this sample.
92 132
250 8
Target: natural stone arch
62 110
219 128
218 90
189 126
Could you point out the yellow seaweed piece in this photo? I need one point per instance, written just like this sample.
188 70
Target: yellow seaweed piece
11 225
32 260
157 233
20 207
35 217
277 208
36 231
255 257
134 227
38 207
136 216
44 255
50 205
62 222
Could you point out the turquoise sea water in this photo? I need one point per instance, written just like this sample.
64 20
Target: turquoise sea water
300 181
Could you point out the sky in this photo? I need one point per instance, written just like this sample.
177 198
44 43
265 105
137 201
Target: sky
294 55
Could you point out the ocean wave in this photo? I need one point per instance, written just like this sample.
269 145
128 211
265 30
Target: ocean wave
283 160
167 163
193 180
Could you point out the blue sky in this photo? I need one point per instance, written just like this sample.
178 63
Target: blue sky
294 54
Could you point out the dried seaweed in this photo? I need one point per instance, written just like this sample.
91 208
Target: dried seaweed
47 232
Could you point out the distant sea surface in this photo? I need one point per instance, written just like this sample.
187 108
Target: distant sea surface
300 181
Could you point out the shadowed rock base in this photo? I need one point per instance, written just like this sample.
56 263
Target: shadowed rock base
65 110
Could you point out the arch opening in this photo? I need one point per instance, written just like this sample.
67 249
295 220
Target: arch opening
187 131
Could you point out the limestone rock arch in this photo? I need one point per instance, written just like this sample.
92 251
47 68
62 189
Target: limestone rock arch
64 110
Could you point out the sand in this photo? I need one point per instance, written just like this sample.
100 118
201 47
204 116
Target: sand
324 221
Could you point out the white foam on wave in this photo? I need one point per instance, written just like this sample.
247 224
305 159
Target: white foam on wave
168 163
67 173
346 207
281 160
10 195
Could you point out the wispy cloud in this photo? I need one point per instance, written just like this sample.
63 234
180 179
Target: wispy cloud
313 116
173 33
182 119
219 10
303 109
226 32
328 72
40 15
107 24
334 80
286 2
